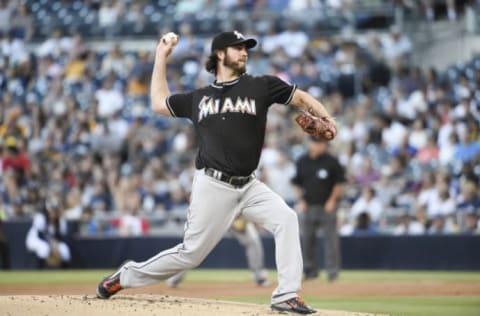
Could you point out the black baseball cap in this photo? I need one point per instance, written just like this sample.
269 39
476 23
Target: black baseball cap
226 39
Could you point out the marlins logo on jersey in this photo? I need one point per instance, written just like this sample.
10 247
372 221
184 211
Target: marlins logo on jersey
209 106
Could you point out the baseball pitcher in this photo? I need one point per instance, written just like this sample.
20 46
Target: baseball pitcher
229 117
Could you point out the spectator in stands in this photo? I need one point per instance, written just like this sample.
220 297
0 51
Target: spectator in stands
468 202
6 12
418 136
125 194
462 110
368 203
78 46
59 122
76 68
128 202
140 76
393 134
105 140
177 199
92 225
11 126
472 226
440 225
131 224
397 47
367 175
363 226
408 225
54 45
15 167
108 15
448 149
73 199
293 40
47 237
189 46
441 202
361 122
14 49
429 153
346 62
134 19
469 149
269 42
22 22
393 181
110 99
405 151
116 62
101 199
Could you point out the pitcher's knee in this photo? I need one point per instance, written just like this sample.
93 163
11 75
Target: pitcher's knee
192 258
291 217
288 218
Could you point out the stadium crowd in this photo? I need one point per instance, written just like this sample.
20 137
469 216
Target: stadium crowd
75 124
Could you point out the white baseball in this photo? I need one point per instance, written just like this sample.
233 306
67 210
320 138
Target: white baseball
170 37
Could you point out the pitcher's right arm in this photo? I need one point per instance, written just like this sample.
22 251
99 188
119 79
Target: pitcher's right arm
159 90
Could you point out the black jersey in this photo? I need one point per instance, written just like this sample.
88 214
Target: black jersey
318 176
230 119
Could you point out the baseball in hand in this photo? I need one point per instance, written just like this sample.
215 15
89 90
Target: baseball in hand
170 37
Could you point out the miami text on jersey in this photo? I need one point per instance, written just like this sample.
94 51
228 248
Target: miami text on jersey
209 106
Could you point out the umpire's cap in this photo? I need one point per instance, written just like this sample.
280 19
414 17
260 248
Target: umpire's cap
226 39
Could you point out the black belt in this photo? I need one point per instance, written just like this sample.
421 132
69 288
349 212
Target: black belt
235 181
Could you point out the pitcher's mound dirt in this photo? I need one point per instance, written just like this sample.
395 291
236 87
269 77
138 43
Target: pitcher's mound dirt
135 305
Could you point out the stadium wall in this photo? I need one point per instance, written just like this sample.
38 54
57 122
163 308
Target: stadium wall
372 252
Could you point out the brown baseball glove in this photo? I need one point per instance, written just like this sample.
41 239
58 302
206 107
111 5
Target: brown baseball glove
323 128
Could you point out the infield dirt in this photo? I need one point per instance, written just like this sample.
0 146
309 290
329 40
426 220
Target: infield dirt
135 305
198 299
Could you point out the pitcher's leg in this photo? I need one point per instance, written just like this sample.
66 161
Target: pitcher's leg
212 210
266 208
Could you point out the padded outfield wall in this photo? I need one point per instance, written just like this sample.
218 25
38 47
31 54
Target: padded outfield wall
374 252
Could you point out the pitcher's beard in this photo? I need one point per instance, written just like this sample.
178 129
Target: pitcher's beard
237 67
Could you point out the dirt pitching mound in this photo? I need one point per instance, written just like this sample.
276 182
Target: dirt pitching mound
134 305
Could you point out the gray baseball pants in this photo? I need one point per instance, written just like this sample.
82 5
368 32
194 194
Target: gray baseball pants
214 205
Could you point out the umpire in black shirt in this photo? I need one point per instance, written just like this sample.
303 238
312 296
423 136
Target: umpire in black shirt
319 179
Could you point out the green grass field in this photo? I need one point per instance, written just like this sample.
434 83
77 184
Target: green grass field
454 305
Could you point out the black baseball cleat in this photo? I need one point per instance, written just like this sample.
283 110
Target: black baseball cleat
110 285
293 306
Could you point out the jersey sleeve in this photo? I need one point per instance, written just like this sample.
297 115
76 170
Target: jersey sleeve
180 105
279 91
